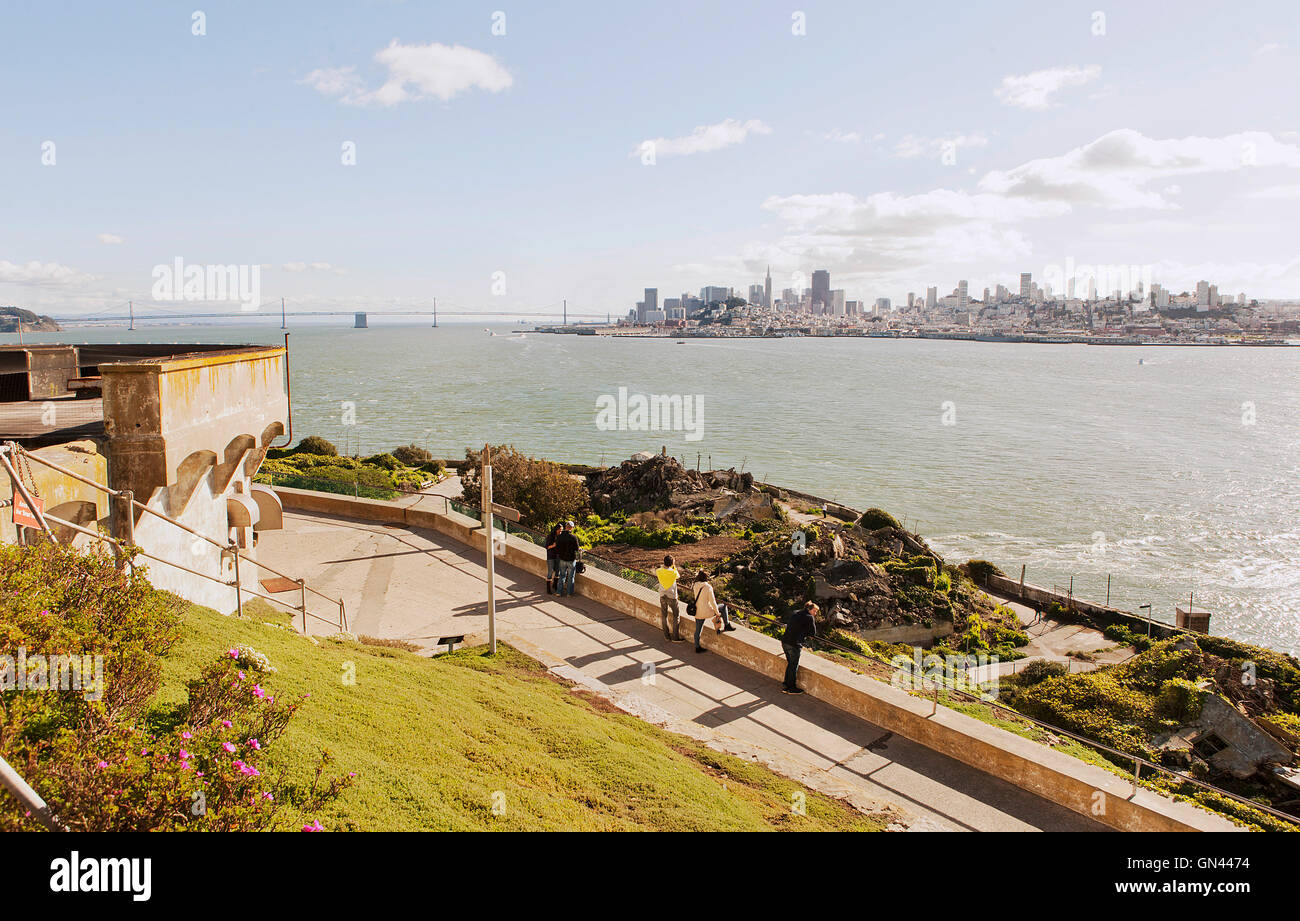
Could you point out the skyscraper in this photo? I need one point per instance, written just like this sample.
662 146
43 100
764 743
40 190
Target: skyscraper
963 297
767 289
931 298
821 290
1026 284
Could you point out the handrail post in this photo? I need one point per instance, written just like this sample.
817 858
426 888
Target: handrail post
239 600
302 595
343 617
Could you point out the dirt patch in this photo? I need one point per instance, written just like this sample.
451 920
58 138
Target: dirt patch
702 554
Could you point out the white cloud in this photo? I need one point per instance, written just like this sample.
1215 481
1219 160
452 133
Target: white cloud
309 266
1115 170
415 72
110 239
912 146
705 138
1267 49
1034 90
41 273
1274 193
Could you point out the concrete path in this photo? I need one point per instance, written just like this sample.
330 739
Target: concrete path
418 586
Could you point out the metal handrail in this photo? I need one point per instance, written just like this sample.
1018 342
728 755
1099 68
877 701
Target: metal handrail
24 793
231 548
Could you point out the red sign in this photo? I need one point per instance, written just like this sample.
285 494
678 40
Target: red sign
23 515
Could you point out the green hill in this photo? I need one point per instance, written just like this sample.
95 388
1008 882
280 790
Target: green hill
432 741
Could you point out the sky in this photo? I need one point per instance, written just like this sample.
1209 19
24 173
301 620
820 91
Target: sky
378 154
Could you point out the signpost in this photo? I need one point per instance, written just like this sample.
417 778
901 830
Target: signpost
486 505
491 508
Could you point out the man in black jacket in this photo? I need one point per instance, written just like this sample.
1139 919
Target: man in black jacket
801 625
552 561
566 549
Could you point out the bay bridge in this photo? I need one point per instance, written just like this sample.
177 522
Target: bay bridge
132 313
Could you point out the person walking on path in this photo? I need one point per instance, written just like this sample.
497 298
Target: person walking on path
801 625
552 561
705 607
566 549
668 610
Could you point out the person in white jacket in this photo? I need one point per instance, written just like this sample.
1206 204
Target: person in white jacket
706 607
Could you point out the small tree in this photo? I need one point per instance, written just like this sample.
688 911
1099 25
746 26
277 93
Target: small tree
412 455
542 491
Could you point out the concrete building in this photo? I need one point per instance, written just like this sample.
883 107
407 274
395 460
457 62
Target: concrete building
185 429
821 290
1026 283
931 298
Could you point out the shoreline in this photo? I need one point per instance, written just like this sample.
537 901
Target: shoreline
1011 339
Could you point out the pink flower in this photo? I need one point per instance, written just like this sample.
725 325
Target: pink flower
186 735
267 795
234 653
249 771
184 754
185 765
314 826
241 675
199 774
228 747
225 724
102 764
255 745
144 751
257 691
352 773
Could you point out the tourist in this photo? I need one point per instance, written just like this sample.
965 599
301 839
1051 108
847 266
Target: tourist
801 625
668 610
552 561
704 607
566 549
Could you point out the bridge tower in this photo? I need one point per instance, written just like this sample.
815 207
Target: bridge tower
361 321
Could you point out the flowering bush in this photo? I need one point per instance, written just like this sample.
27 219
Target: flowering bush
101 765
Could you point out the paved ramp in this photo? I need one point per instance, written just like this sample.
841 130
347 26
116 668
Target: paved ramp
418 585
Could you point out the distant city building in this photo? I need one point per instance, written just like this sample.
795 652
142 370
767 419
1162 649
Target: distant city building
931 298
963 299
714 294
756 294
882 306
767 289
821 290
1026 281
837 302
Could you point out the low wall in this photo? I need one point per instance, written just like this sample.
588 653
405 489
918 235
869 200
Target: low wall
1056 777
1037 595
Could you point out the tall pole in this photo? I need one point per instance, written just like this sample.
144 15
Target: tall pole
566 311
491 561
435 313
283 325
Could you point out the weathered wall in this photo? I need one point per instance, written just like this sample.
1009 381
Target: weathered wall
1035 594
185 435
64 497
1050 774
49 370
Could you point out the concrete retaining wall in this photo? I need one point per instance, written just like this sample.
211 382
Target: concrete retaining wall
1054 776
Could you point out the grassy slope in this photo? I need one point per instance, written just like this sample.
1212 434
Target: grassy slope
432 739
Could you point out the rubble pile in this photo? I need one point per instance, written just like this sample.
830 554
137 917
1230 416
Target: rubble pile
660 483
862 580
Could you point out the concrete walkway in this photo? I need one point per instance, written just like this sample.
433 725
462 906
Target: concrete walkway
418 586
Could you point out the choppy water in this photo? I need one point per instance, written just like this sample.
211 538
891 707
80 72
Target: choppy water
1073 460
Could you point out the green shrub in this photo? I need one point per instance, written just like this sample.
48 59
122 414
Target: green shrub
873 519
541 491
1179 700
412 455
314 444
980 570
386 461
1040 670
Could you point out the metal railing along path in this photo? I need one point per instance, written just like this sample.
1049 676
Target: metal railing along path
12 449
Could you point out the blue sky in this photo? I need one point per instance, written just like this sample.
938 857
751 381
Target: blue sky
1157 136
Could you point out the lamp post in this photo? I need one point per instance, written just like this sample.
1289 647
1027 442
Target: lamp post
1148 608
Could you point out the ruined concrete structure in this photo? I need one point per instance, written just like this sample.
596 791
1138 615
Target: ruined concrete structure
184 428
